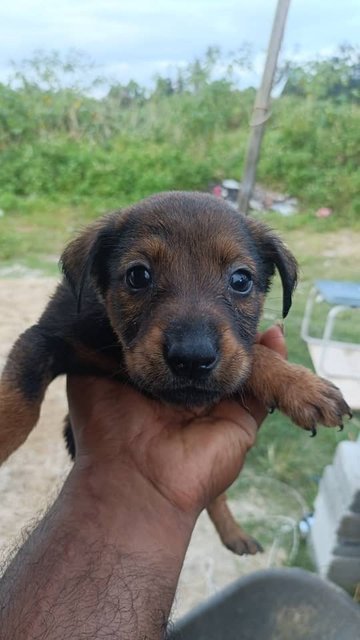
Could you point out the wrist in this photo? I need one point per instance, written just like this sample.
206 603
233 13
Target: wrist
119 548
131 511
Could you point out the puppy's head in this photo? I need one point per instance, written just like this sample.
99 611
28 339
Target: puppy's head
183 278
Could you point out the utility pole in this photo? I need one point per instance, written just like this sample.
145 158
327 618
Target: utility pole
261 113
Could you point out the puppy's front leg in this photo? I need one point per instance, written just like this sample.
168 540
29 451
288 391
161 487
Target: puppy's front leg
296 391
231 534
33 362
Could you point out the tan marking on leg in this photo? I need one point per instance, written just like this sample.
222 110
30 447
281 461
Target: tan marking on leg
232 535
18 416
296 391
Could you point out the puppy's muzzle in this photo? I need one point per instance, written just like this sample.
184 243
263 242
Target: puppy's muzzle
191 349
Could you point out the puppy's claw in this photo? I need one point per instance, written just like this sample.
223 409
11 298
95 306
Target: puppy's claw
259 547
313 401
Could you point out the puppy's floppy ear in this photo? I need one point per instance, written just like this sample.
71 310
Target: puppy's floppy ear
86 258
274 253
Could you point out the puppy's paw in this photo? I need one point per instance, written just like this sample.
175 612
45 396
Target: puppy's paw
242 544
309 400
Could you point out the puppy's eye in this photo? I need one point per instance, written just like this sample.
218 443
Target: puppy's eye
241 281
138 277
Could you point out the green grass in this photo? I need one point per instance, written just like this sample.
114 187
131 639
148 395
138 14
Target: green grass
35 229
34 233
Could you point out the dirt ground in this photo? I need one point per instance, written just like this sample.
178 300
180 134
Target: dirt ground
31 478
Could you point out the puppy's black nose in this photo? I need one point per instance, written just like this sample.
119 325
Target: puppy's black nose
191 350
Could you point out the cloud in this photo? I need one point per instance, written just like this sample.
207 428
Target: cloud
139 39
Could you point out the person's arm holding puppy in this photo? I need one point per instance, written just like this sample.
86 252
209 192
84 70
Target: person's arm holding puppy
105 560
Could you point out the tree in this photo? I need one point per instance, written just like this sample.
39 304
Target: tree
336 78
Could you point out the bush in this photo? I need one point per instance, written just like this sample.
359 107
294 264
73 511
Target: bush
57 142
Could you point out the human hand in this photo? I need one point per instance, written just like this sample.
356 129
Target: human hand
188 457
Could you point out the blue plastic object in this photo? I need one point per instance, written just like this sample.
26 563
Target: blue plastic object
345 293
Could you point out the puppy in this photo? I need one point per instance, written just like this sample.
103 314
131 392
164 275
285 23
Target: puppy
167 295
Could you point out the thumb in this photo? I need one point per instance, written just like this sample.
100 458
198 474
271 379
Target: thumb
274 339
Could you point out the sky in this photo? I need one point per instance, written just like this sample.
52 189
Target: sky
131 39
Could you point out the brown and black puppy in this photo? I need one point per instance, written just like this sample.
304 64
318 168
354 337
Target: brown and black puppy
167 295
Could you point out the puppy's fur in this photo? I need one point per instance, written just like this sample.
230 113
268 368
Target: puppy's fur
185 333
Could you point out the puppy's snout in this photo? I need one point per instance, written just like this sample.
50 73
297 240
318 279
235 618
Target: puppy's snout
191 360
191 350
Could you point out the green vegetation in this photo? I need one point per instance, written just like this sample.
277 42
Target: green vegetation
66 157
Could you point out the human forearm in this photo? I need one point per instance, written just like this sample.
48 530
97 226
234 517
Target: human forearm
103 564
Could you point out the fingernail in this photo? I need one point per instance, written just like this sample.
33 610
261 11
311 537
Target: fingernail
280 324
